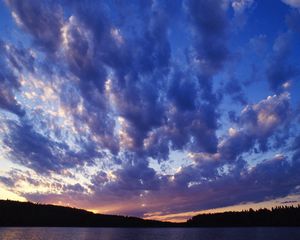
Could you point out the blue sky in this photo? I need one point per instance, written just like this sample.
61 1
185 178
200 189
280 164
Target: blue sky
157 109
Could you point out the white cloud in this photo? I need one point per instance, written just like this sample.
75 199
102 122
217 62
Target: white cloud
239 6
292 3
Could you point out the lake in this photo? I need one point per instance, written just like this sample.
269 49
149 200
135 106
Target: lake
21 233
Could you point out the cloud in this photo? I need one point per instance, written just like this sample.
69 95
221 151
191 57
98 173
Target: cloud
292 3
46 31
259 44
292 20
213 176
13 60
256 124
210 26
107 94
183 91
269 179
234 90
239 6
42 154
194 188
280 70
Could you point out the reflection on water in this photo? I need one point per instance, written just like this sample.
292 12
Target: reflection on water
149 233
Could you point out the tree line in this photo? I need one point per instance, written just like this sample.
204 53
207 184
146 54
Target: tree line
277 216
14 213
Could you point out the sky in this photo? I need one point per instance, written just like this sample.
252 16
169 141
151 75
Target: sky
155 109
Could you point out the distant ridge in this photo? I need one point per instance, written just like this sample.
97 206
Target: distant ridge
281 216
27 214
14 213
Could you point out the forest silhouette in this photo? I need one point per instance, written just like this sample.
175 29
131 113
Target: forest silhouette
27 214
277 217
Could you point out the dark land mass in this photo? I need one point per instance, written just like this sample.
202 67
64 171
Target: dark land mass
27 214
283 216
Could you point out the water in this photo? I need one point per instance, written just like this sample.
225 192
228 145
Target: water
149 233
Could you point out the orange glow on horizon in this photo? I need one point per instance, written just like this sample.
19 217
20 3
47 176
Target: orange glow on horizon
184 216
119 209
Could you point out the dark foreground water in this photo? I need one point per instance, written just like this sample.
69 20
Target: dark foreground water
149 233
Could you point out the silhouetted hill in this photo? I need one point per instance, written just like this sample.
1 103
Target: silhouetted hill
279 216
13 213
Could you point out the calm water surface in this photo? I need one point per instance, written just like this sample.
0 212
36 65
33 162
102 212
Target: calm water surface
149 234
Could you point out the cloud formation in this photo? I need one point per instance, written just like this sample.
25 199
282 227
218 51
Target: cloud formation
279 70
139 107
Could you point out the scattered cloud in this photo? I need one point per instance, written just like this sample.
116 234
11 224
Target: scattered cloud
96 99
